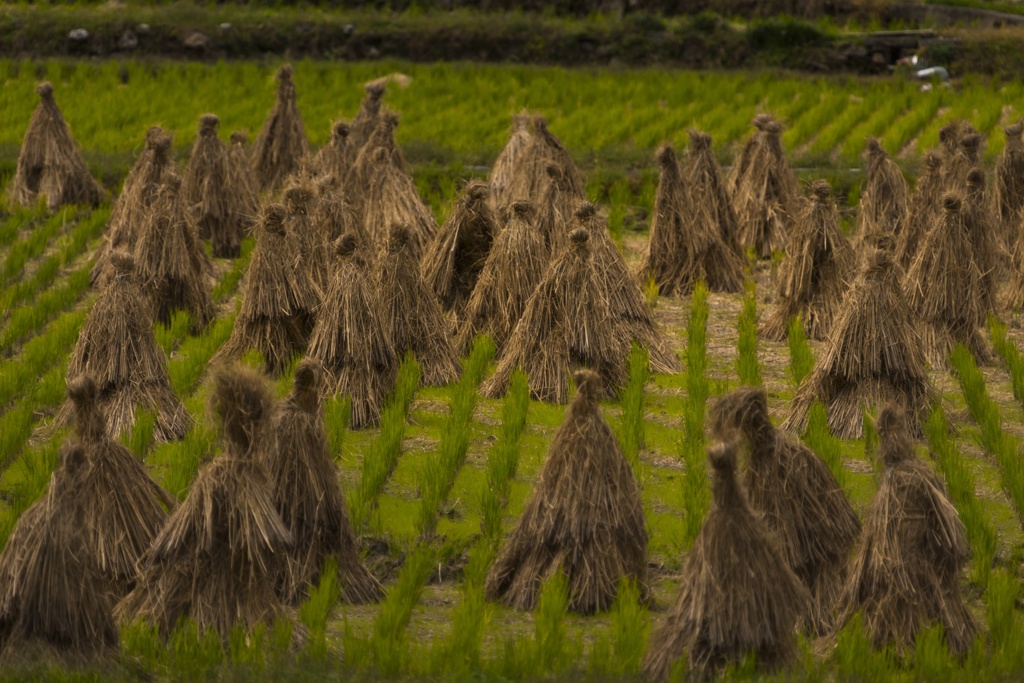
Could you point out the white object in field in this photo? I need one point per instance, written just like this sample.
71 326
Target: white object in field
933 72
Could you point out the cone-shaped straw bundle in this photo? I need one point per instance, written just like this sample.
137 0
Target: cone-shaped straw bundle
455 258
53 598
667 249
567 324
585 518
766 192
333 158
816 272
738 594
350 339
873 355
986 246
546 150
925 204
884 199
281 143
117 348
279 298
508 180
131 207
217 558
123 509
949 139
741 167
215 207
559 196
1009 184
799 498
906 575
49 163
961 163
365 121
630 314
332 218
514 267
943 288
702 177
299 201
304 479
241 181
172 264
412 317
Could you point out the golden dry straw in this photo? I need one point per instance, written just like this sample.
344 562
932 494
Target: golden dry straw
54 605
702 176
559 196
172 264
300 203
412 317
567 325
123 509
987 248
454 260
816 273
872 356
131 207
217 558
924 208
943 288
906 574
666 247
738 595
50 164
304 481
1008 194
333 217
214 206
512 271
333 159
281 144
116 346
585 517
350 339
241 180
884 198
365 120
799 500
279 298
508 180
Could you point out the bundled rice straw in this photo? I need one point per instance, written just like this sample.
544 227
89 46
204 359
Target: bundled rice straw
172 264
300 203
514 267
350 339
629 312
333 158
816 272
567 324
281 143
1008 196
53 602
666 247
546 149
766 192
966 158
240 179
379 153
508 180
943 288
123 509
412 317
215 207
799 498
986 245
923 211
906 575
559 196
332 218
702 177
217 558
279 298
872 356
306 495
741 167
738 594
131 207
949 139
884 198
365 121
117 348
455 258
49 163
585 517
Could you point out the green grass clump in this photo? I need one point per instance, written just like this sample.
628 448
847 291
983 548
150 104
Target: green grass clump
1010 354
387 644
747 366
819 439
632 400
696 493
801 360
503 459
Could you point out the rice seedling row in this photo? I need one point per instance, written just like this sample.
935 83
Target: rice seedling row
696 495
747 366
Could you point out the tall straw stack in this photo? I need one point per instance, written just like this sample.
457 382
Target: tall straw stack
884 198
507 181
333 158
241 180
987 248
766 195
214 205
703 179
925 204
281 143
1008 194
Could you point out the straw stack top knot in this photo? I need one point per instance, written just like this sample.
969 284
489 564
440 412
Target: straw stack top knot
585 211
477 190
971 141
297 198
124 264
821 190
874 146
208 124
82 391
339 130
666 154
285 73
588 384
375 89
773 128
761 121
699 140
172 183
579 237
239 137
540 124
242 400
520 121
345 245
722 456
976 177
45 90
890 421
307 376
521 208
157 139
1014 130
951 202
932 160
398 237
273 219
